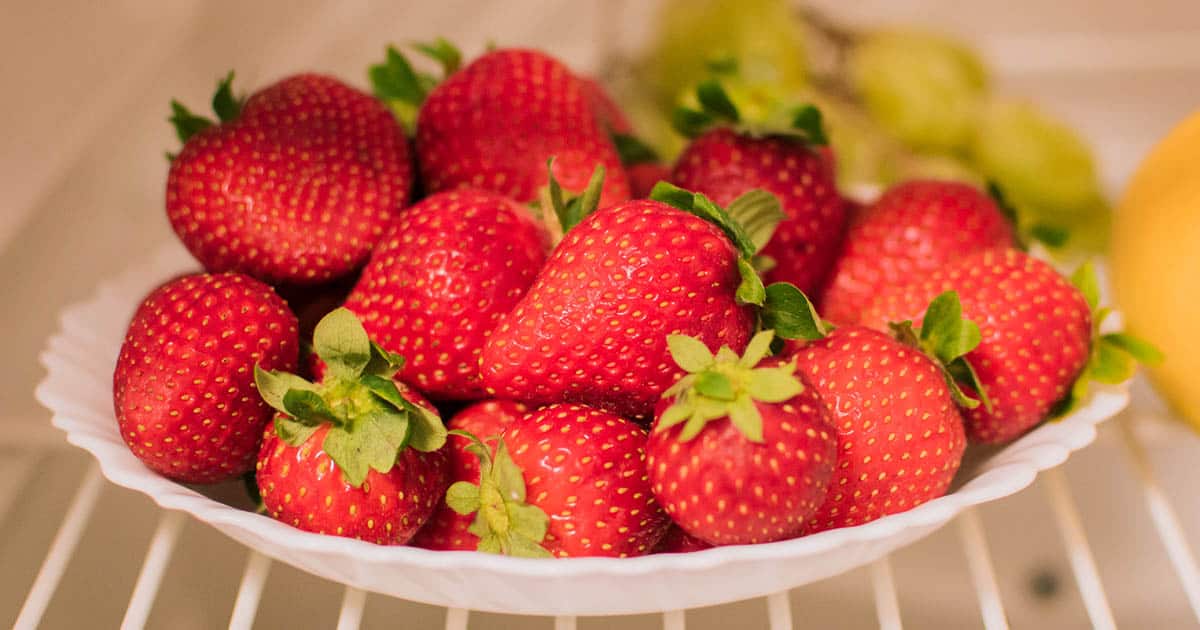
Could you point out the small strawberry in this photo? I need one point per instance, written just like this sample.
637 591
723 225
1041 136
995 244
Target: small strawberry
727 158
441 278
566 481
899 435
295 185
447 530
593 327
678 541
1036 333
741 449
494 123
183 388
913 229
356 454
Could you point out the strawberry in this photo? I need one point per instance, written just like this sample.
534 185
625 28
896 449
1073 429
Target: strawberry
741 449
355 454
1036 333
593 327
678 541
566 481
494 123
183 388
447 530
444 274
727 158
295 185
899 435
643 176
913 229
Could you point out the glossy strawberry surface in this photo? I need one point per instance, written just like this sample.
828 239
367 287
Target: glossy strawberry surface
1037 333
495 123
724 489
446 529
913 229
593 327
183 388
899 435
442 277
724 164
297 189
586 469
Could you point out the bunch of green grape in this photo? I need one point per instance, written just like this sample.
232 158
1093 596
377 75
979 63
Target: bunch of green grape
900 103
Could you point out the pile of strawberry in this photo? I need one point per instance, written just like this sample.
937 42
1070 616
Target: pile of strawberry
627 367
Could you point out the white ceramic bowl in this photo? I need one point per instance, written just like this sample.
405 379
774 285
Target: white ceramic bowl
78 390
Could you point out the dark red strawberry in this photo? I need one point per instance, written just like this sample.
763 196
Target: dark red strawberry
296 185
183 388
643 176
1036 333
678 541
447 529
913 229
566 481
593 327
741 449
727 158
356 454
494 124
441 278
899 435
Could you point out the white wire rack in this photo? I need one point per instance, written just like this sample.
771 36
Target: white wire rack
778 606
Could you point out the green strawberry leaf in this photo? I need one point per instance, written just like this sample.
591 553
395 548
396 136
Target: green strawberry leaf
504 522
808 121
1111 364
714 385
1049 235
689 353
632 150
690 123
186 123
758 349
716 102
463 497
750 290
383 363
374 443
744 415
507 475
427 433
944 332
308 407
1140 349
673 196
759 213
342 343
395 79
293 432
488 542
571 211
1085 280
226 106
961 371
273 386
442 51
790 313
1002 203
722 64
774 385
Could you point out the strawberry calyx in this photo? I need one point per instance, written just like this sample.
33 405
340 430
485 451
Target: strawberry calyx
504 522
369 419
725 385
946 337
561 209
716 109
225 105
1113 357
632 150
395 82
1049 235
791 314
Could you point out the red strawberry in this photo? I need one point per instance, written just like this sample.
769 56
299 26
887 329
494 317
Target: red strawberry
593 327
678 541
183 388
899 436
1036 330
294 186
445 273
643 176
567 481
447 529
726 162
741 449
494 124
356 454
913 229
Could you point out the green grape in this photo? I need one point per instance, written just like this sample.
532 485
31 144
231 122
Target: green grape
861 149
1044 167
928 166
761 37
922 88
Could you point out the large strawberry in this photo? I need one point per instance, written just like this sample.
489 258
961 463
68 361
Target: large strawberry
899 435
494 123
727 158
1036 328
444 274
566 481
593 327
741 449
355 454
295 185
448 530
912 230
183 388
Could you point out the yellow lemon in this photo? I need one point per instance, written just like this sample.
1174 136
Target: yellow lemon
1156 261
